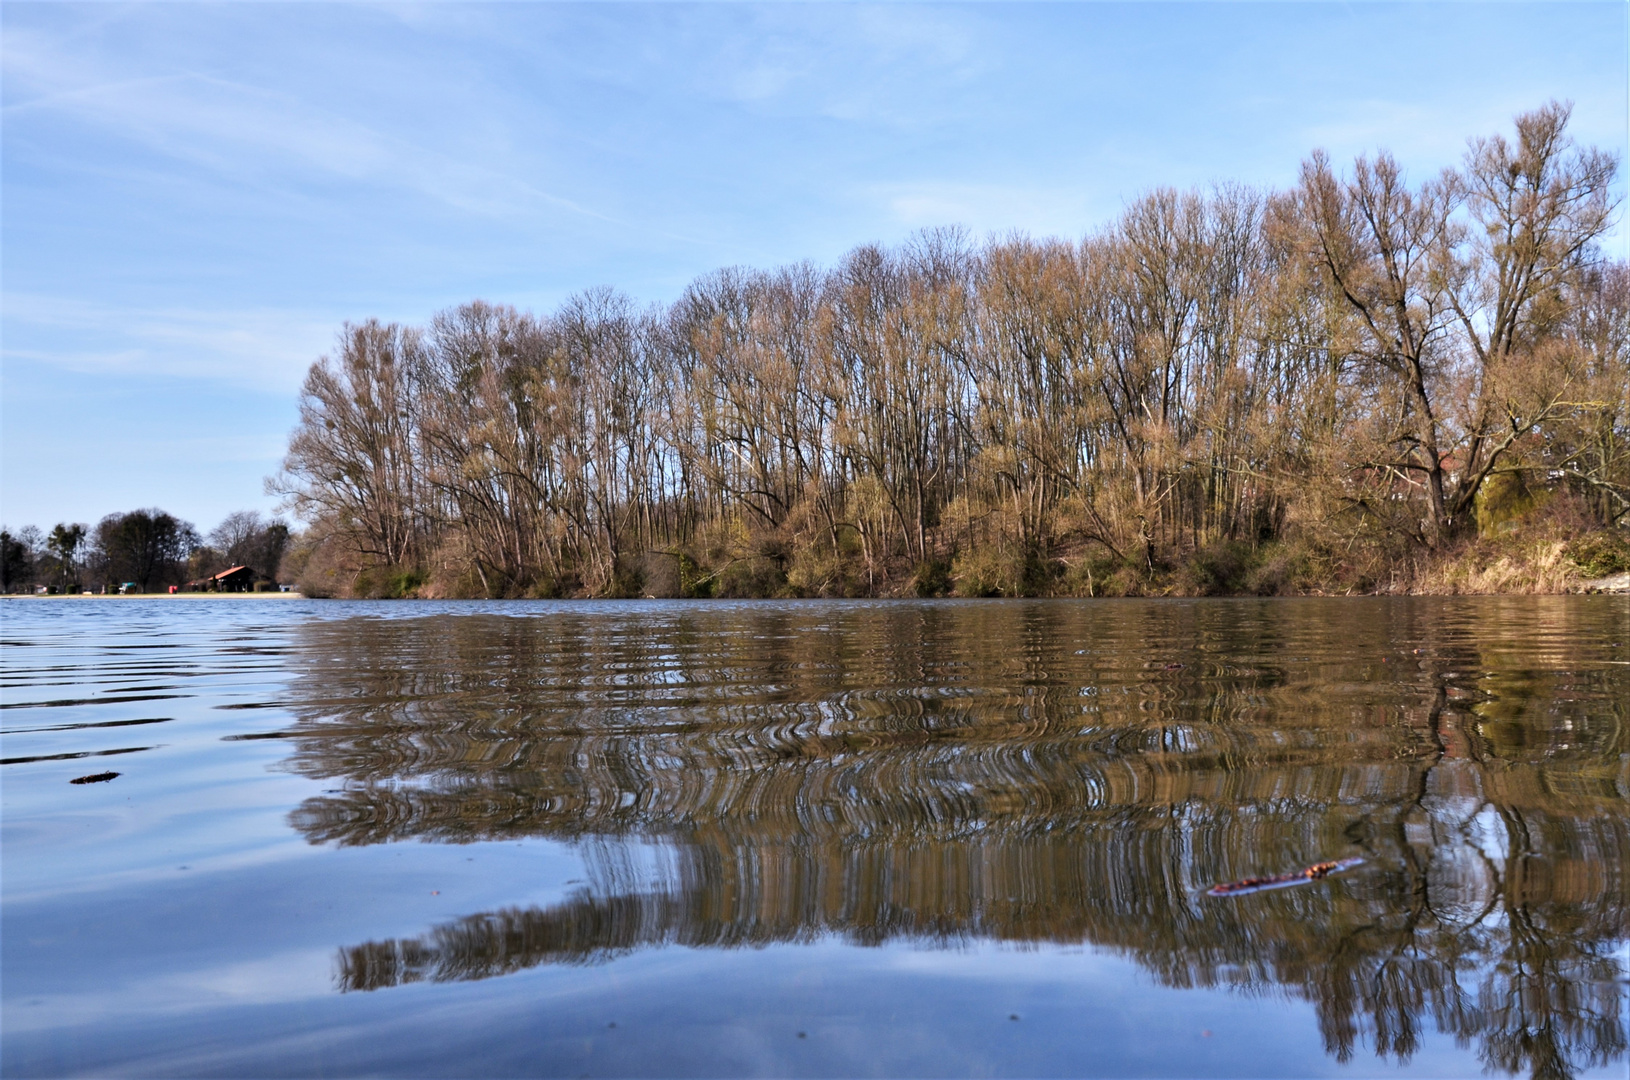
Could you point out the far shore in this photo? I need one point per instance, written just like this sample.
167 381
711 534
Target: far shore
160 596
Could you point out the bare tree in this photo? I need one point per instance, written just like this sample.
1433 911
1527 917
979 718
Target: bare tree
1536 209
1352 361
354 459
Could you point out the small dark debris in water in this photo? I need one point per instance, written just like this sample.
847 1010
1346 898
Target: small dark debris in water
612 1024
801 1035
1012 1016
94 778
1316 872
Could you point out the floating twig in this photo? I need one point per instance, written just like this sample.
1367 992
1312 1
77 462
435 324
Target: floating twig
1316 872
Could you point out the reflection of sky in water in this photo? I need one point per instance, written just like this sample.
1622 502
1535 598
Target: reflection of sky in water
682 820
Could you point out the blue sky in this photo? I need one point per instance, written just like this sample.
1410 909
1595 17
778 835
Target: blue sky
195 197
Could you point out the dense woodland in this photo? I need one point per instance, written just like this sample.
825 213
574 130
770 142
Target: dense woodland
1366 382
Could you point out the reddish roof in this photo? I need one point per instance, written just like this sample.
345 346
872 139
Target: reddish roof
229 573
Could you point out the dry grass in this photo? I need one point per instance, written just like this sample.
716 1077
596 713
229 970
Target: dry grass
1515 567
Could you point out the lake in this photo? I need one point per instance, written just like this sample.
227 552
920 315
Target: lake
937 838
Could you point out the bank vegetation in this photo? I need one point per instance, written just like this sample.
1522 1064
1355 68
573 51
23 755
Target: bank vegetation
1365 382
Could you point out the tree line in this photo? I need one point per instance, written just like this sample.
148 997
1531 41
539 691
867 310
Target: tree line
1333 385
149 549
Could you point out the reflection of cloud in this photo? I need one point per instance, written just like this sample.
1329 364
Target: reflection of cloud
295 975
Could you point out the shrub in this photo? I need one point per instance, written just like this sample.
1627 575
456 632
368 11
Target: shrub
997 573
1601 554
387 583
757 577
627 580
931 578
983 572
1503 501
1218 569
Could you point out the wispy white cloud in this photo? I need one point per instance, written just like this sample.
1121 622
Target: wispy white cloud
261 348
1407 130
878 65
251 133
1042 210
294 975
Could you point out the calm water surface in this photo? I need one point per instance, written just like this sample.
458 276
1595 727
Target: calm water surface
815 838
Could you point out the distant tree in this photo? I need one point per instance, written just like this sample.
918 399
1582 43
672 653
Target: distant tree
148 547
205 561
32 538
63 546
235 532
243 538
16 562
274 542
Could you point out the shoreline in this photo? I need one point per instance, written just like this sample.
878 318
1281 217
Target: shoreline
159 596
1617 585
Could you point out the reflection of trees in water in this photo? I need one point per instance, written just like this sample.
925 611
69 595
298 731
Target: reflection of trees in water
1026 773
